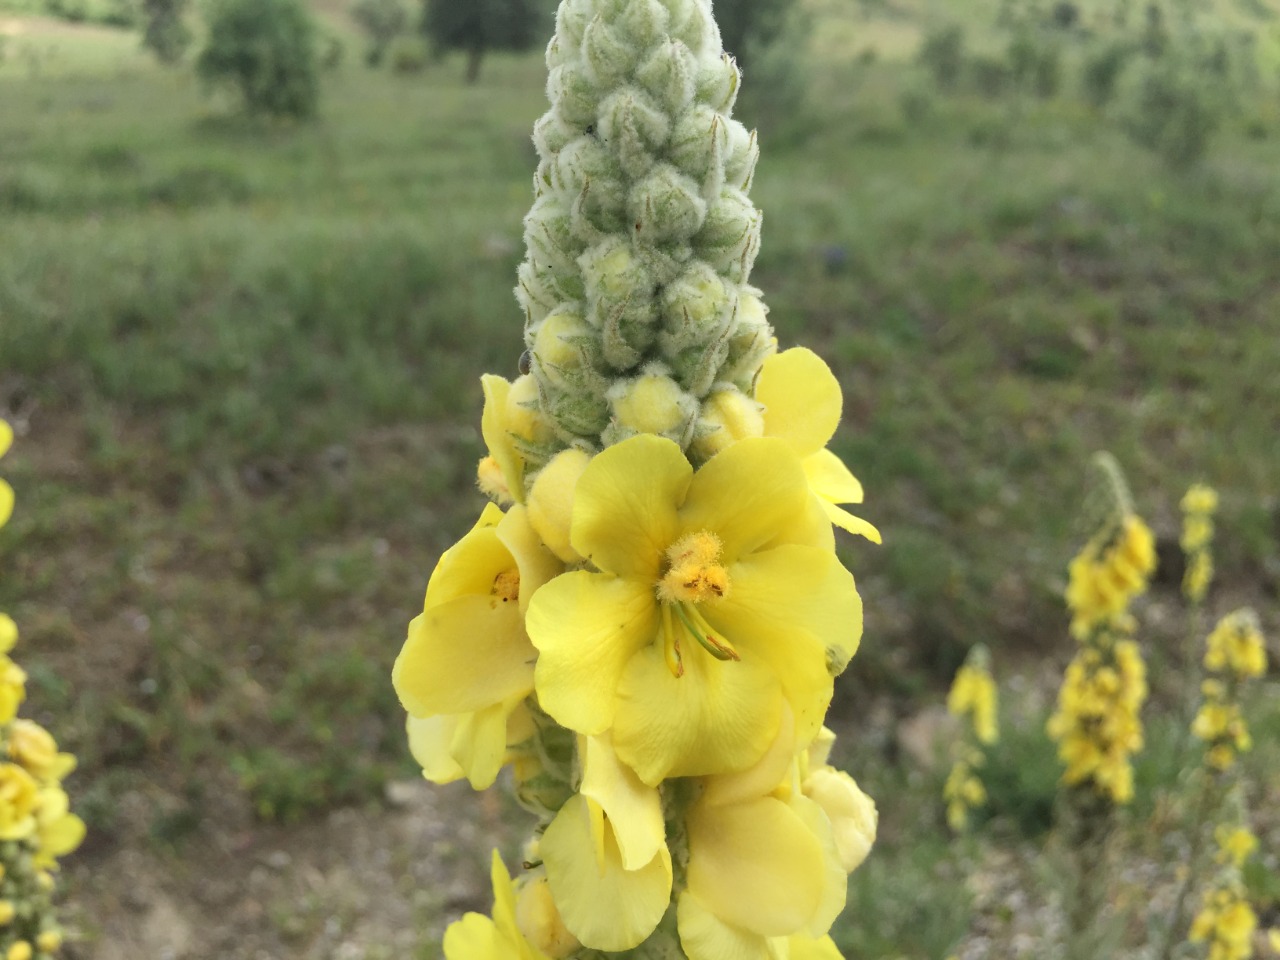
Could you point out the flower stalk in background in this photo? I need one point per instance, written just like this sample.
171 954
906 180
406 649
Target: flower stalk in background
1096 724
647 621
974 700
36 825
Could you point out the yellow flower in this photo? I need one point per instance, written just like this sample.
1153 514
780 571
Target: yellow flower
803 405
6 491
606 854
58 831
715 598
511 420
1199 574
34 747
6 912
13 686
49 941
19 951
766 858
1200 498
1236 646
1236 844
1108 573
974 692
477 937
539 919
467 664
19 800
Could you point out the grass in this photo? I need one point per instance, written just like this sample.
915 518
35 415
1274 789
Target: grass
243 359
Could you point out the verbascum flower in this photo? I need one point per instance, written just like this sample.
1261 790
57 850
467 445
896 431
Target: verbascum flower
477 937
770 850
1235 653
34 749
6 491
973 696
1226 923
1112 569
1198 507
715 598
467 665
607 861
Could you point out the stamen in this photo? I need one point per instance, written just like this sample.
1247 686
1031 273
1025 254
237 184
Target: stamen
696 625
506 586
671 644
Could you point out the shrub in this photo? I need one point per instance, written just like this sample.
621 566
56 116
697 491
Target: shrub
478 26
266 49
1103 66
1170 110
942 54
408 55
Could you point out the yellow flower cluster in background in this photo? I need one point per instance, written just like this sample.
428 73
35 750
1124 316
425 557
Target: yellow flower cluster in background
1235 653
1108 574
1097 725
1227 921
1198 507
36 825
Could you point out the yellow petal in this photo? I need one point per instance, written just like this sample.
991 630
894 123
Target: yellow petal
586 626
463 655
6 437
830 479
847 521
851 812
496 436
704 936
602 904
764 776
551 501
634 810
479 742
475 937
6 502
536 563
470 565
748 495
802 399
624 510
60 837
718 717
835 879
504 899
756 865
429 742
8 633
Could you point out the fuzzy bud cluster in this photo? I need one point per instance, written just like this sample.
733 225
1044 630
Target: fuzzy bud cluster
641 239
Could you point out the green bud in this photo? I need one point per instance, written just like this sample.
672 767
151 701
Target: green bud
740 156
751 342
607 55
698 141
669 75
727 415
718 83
666 205
635 127
730 237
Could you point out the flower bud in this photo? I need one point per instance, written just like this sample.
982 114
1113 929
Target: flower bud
549 236
562 345
727 416
574 95
730 237
666 205
741 155
669 75
608 56
643 21
635 127
523 417
697 308
699 138
49 941
718 82
539 920
551 134
550 501
750 343
651 403
584 160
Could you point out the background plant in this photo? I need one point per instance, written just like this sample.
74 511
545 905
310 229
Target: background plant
266 51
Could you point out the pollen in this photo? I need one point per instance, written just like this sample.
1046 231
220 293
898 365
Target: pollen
694 571
506 586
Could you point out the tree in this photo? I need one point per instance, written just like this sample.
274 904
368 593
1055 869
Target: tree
165 33
267 49
383 21
477 26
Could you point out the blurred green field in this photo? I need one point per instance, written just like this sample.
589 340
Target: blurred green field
242 359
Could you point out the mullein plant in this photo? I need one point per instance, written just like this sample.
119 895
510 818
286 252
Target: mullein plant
36 825
646 622
1235 655
1096 724
974 701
